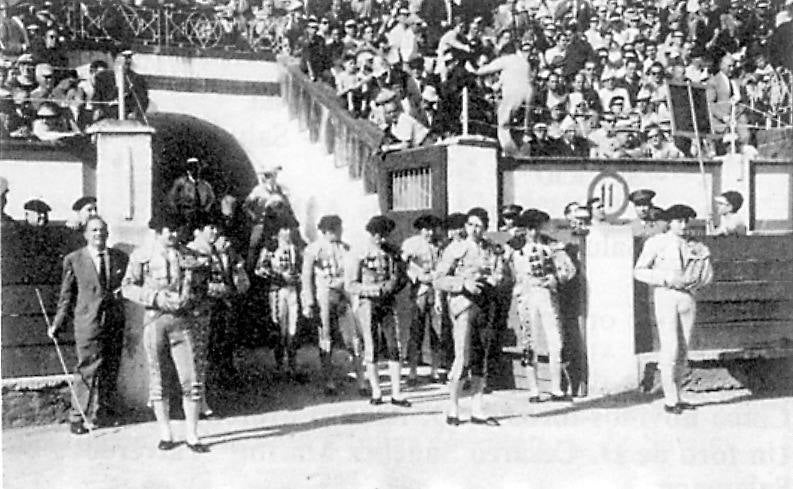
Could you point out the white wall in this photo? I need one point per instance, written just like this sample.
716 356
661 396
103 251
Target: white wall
185 67
62 185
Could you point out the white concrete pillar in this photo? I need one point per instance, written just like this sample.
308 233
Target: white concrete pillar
123 191
610 325
472 178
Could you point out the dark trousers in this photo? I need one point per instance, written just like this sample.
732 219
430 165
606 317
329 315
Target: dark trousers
498 312
96 375
424 319
222 340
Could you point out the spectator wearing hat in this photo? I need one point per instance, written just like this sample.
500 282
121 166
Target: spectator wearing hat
572 144
350 40
469 272
37 213
663 263
541 143
45 78
322 290
539 265
89 294
727 206
313 60
658 147
227 278
50 125
19 122
421 253
644 226
610 91
4 218
266 204
190 194
164 278
52 53
374 274
280 263
84 207
428 114
604 139
136 91
23 78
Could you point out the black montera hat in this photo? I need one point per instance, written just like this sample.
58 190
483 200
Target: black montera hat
82 202
427 221
456 220
679 211
165 220
531 218
381 225
329 222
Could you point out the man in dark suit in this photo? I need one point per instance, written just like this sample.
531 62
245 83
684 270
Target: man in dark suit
90 296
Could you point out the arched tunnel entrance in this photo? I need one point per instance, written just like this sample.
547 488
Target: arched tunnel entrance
179 136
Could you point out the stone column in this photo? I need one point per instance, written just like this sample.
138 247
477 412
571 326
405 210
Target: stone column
472 177
124 198
610 348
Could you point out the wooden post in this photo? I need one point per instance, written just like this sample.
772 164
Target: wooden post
705 194
120 87
465 111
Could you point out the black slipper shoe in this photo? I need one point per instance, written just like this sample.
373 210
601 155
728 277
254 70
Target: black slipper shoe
167 445
491 421
198 448
452 421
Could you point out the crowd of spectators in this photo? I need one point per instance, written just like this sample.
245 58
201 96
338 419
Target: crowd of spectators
41 96
573 78
559 77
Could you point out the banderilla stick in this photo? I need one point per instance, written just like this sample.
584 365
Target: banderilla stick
63 365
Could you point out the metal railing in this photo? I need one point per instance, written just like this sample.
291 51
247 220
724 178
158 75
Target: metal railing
166 26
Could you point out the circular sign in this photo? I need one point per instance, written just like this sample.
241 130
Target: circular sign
612 190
